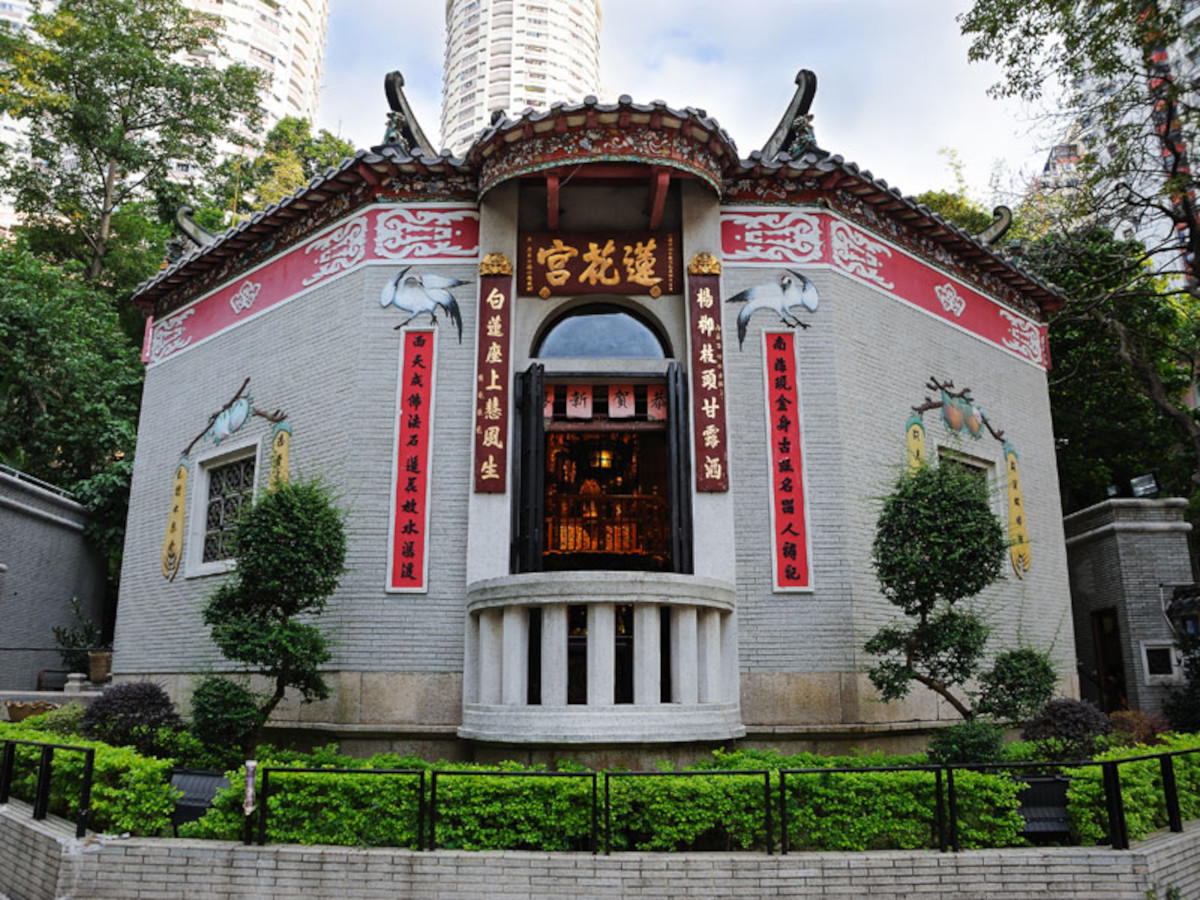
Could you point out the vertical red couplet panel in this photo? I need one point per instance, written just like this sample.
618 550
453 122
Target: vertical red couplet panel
410 505
790 538
492 384
708 383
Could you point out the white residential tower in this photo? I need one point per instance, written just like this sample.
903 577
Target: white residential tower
514 54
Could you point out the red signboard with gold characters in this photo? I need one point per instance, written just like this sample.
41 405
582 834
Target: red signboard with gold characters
492 380
790 532
562 263
407 555
708 373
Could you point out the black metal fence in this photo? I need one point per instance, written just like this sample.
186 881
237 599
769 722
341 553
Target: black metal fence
265 793
460 773
766 776
945 816
41 794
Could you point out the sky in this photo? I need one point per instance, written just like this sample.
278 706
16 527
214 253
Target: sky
893 83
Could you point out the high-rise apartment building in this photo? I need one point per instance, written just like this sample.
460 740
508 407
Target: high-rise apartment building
514 54
283 38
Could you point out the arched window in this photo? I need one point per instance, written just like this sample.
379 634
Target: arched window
601 331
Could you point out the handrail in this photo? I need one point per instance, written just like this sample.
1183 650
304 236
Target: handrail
41 794
945 783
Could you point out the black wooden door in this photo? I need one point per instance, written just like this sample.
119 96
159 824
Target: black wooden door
680 468
529 493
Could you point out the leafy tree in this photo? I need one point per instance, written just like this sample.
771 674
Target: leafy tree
115 93
1132 304
1112 61
937 544
1119 346
70 385
291 157
290 548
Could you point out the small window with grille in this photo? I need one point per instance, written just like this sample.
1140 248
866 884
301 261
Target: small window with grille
230 487
222 485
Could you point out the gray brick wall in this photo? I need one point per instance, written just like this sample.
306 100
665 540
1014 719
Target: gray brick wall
330 361
863 364
1120 552
48 562
40 861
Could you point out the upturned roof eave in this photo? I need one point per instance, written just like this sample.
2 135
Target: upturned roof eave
878 193
382 161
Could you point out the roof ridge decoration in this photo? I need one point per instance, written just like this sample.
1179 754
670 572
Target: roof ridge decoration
571 134
794 133
402 130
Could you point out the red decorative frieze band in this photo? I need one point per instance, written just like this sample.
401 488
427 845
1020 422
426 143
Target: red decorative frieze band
818 239
414 234
708 383
492 384
789 526
408 552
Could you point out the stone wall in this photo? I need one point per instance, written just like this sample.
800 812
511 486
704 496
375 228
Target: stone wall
41 861
44 562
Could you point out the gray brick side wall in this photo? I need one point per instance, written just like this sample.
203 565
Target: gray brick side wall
863 364
330 360
48 562
1120 552
38 861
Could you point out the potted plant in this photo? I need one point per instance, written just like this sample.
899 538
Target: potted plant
100 664
74 642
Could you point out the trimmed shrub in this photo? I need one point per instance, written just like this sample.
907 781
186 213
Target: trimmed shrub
1067 729
62 722
130 714
1133 726
130 792
1019 683
224 714
972 741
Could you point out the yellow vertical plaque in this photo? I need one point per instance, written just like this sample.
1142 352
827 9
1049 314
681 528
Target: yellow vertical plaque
916 442
172 550
281 443
1018 529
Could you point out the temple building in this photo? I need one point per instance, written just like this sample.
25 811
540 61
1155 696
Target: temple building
610 410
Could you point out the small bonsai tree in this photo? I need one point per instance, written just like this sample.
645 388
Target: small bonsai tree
938 543
74 641
289 549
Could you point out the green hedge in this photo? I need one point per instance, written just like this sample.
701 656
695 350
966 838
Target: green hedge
882 810
1141 790
700 812
130 792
